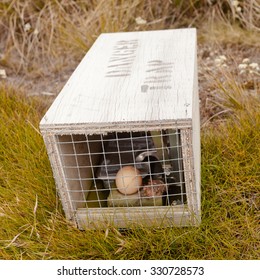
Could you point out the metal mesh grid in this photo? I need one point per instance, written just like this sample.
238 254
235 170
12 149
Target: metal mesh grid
124 169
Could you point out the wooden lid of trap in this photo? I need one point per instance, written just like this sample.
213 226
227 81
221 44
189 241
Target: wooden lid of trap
130 77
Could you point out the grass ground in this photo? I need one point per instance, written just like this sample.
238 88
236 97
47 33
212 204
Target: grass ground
32 224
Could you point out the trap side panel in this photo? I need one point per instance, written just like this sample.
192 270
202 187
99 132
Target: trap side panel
72 167
196 142
189 174
58 174
78 155
129 77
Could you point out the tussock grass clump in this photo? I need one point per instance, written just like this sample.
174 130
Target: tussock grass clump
33 225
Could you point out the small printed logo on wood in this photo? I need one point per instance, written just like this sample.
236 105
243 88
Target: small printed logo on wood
158 76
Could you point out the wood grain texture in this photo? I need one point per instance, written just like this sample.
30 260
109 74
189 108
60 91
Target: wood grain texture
59 176
123 217
129 77
196 150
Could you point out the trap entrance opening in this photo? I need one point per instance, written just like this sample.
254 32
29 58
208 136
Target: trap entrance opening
90 164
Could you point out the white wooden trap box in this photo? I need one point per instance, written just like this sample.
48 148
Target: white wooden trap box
123 135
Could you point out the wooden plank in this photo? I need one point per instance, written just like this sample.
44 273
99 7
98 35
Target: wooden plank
130 77
77 158
196 140
188 165
104 128
123 217
60 181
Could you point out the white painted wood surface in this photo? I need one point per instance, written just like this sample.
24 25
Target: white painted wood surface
196 150
130 77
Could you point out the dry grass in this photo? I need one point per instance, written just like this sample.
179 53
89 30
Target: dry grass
40 39
42 42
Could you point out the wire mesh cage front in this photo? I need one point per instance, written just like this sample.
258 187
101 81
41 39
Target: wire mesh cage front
125 170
